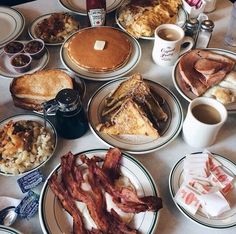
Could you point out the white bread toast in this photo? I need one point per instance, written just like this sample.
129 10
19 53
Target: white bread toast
41 85
131 120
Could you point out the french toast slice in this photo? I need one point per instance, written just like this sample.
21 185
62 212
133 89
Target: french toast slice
129 119
139 91
123 90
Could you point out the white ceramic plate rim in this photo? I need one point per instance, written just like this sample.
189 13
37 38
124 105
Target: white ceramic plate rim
189 96
19 20
126 156
103 76
113 6
181 23
42 63
9 230
183 211
171 136
34 117
31 29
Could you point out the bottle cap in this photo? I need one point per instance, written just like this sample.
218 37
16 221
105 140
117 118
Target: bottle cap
192 23
207 25
68 100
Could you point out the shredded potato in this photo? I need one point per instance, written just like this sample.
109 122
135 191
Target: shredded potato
23 145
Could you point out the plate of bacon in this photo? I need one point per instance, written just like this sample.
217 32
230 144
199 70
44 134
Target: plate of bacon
208 72
99 191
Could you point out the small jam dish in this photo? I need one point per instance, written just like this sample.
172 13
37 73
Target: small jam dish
13 47
35 48
21 62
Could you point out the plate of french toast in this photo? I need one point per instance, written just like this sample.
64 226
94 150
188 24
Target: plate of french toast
209 73
135 114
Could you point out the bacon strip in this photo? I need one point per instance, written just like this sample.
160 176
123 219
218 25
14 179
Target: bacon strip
68 203
111 164
94 201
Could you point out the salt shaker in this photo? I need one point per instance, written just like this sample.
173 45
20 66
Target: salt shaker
71 122
230 37
204 34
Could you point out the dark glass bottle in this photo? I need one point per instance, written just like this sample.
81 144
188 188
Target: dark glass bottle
96 10
71 121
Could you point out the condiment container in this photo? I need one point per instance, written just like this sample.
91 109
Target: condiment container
71 121
35 48
13 48
21 62
96 10
191 28
204 34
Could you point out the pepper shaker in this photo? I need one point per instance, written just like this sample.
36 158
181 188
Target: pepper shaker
204 34
230 37
191 28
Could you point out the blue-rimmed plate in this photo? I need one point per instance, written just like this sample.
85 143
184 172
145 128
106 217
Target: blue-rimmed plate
180 21
225 220
102 76
137 144
12 24
54 219
49 128
79 7
186 93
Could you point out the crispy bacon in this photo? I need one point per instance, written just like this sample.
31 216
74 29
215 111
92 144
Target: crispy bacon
70 189
68 203
111 165
94 201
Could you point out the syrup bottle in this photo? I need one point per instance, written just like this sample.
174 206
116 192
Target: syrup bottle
96 10
71 121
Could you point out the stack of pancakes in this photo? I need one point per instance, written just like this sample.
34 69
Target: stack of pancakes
114 55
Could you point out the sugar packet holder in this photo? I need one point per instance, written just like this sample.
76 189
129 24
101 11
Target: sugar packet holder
30 181
194 8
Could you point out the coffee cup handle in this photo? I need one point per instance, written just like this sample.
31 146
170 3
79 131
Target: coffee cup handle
190 42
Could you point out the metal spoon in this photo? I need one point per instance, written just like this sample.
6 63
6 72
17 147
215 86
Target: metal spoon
8 216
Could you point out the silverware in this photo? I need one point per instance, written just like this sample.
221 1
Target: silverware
8 216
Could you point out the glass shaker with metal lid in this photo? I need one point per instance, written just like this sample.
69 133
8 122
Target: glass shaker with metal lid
191 27
71 121
204 35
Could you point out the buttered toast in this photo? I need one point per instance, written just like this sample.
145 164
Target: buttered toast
30 91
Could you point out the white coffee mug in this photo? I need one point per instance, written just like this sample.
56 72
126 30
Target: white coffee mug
203 121
167 44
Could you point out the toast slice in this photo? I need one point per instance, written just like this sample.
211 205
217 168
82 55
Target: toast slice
139 91
41 85
131 120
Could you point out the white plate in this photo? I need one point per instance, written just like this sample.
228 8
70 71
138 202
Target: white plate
227 219
12 24
54 219
181 19
187 94
40 119
102 76
137 144
8 230
79 7
8 71
32 27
